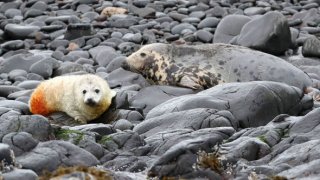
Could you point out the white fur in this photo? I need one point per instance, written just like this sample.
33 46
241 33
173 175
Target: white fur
67 95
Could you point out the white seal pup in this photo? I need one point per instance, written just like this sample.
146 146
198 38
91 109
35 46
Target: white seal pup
83 97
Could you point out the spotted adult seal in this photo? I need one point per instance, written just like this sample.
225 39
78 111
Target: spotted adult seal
204 66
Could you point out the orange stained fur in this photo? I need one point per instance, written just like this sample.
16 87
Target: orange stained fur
38 104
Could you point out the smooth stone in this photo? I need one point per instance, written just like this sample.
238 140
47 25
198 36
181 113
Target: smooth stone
11 13
12 121
221 99
25 174
20 106
136 38
217 11
84 61
101 129
197 14
128 48
20 94
20 142
181 27
40 5
177 16
13 45
191 20
311 30
103 55
145 12
57 43
28 84
33 76
75 31
310 6
209 22
121 77
15 31
194 119
19 61
251 11
269 33
9 5
204 36
30 13
5 90
87 1
124 140
115 64
149 97
79 54
17 73
68 67
124 22
181 156
305 16
116 34
229 27
311 47
123 124
83 8
44 68
93 42
57 55
52 154
6 155
62 18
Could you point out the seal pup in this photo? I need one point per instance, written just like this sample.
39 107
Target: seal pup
83 97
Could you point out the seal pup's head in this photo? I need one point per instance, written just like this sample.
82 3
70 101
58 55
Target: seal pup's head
94 91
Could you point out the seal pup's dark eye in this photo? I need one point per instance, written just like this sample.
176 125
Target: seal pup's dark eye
97 91
84 91
143 54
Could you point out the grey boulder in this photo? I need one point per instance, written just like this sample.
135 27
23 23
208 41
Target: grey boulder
251 103
52 154
269 33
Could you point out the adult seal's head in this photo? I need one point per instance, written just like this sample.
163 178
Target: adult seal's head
148 55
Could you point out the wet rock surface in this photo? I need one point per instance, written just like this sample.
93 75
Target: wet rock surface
234 130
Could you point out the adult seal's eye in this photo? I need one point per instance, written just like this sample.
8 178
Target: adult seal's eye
84 92
143 54
97 91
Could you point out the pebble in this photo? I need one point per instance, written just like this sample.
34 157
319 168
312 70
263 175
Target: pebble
75 31
204 36
311 47
209 22
178 29
251 11
16 31
11 13
13 45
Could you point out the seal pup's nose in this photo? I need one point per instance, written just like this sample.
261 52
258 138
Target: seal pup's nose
90 102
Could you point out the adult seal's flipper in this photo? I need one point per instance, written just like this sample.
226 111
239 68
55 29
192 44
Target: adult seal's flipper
189 82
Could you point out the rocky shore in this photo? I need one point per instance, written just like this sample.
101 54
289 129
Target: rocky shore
238 130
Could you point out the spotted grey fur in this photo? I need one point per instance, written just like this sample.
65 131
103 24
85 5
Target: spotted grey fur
204 66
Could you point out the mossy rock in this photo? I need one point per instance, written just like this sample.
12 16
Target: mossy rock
69 135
